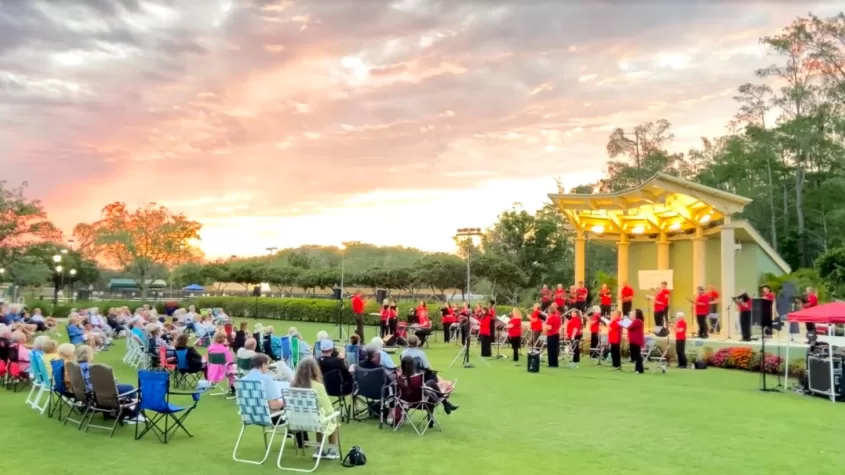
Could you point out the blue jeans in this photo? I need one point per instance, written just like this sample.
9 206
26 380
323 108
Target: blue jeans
123 389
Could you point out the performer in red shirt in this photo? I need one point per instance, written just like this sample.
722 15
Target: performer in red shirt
743 303
423 325
385 317
536 326
574 332
614 337
515 332
595 330
636 340
552 327
581 297
809 300
486 333
571 301
358 310
447 319
560 296
545 297
605 300
626 295
681 339
702 308
661 304
463 318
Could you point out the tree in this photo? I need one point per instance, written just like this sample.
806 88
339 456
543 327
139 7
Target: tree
442 271
216 274
140 240
188 274
376 278
649 140
504 276
284 278
23 221
407 279
27 271
249 273
831 269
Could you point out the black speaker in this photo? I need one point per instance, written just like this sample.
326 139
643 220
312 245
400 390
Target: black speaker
336 293
761 312
381 294
256 291
533 362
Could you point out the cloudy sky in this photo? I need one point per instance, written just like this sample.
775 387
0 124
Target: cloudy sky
278 123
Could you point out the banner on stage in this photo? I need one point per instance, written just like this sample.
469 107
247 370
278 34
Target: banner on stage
651 279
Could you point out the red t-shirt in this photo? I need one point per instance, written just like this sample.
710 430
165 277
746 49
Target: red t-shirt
536 323
560 297
485 325
636 332
702 304
812 301
681 330
661 300
574 327
546 295
449 317
605 297
614 333
581 294
515 329
595 322
553 321
627 294
769 296
385 314
744 306
357 304
571 301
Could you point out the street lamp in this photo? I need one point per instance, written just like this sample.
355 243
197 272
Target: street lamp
56 278
467 236
72 273
342 248
271 250
57 258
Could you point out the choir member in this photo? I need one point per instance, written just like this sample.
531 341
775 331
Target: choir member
713 310
552 326
385 316
515 332
743 303
768 295
574 331
545 297
810 300
560 296
358 311
448 318
536 326
486 333
614 338
581 294
636 339
605 300
661 303
595 330
392 321
572 301
702 308
464 318
681 339
423 326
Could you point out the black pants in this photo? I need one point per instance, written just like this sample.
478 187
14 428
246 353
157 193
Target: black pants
359 326
659 316
545 305
553 346
515 343
447 331
811 328
605 310
637 358
383 329
594 345
391 326
422 335
745 324
576 350
680 350
486 346
702 325
616 355
626 308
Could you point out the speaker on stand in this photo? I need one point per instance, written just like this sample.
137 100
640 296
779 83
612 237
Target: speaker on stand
256 292
381 294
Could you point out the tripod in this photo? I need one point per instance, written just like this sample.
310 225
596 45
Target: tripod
463 353
763 386
498 341
342 334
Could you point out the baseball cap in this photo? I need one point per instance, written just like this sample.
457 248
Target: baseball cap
326 345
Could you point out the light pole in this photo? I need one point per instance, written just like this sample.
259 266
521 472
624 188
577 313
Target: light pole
271 250
72 279
467 236
56 259
342 248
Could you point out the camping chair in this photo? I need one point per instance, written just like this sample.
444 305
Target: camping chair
60 396
40 383
218 372
106 400
286 353
243 366
602 351
302 410
372 388
333 381
15 378
294 352
251 398
185 378
413 397
654 352
155 406
166 362
5 345
81 401
352 354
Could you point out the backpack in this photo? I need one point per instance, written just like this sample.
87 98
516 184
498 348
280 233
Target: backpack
355 457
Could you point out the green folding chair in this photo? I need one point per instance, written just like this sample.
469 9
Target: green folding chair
294 352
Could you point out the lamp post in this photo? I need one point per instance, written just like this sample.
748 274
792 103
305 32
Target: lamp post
467 236
72 279
271 250
56 259
342 248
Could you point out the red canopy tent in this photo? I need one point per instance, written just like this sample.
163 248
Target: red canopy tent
830 313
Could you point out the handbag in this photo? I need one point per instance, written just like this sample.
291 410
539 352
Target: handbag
355 457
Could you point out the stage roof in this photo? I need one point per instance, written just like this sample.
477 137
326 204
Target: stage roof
663 203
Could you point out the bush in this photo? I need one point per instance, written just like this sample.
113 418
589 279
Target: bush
63 309
745 358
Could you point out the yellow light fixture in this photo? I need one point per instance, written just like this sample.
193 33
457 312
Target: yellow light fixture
598 229
638 229
704 219
675 226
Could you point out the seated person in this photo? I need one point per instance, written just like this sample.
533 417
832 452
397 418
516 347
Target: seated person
49 353
240 336
308 376
19 341
155 342
321 335
74 330
84 355
38 320
423 327
194 360
386 360
304 347
414 352
220 344
248 350
329 361
373 359
280 370
409 369
353 350
260 371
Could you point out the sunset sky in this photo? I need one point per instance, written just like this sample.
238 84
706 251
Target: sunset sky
280 123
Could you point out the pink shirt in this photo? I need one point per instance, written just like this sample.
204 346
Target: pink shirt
23 358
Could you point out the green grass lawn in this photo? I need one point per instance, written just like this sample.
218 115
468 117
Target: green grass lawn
585 421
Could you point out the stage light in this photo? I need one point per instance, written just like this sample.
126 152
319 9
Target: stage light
675 226
704 219
638 229
598 229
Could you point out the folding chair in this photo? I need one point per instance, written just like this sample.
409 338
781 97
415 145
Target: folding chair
372 388
602 351
60 396
413 397
15 378
155 406
40 383
333 381
252 404
352 354
294 352
654 353
81 399
302 410
286 352
106 399
243 366
185 377
166 362
218 371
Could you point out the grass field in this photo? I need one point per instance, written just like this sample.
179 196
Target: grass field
585 421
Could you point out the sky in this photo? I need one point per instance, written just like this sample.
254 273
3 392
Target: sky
282 123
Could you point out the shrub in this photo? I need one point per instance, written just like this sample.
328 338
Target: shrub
745 358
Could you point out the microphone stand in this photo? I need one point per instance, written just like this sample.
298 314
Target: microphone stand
498 339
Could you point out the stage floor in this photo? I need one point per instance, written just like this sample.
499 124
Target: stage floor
797 347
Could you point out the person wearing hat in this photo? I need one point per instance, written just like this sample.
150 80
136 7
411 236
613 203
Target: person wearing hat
330 361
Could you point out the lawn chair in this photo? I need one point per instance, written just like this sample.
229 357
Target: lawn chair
352 354
185 377
251 398
294 352
40 383
286 351
218 371
5 345
60 396
601 351
15 378
302 410
653 352
81 399
155 406
166 362
243 366
106 400
333 381
372 388
413 397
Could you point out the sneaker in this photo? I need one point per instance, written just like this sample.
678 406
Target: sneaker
328 454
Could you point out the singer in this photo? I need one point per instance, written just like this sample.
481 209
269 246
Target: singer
581 294
605 299
560 296
661 304
595 328
702 308
636 339
574 332
743 303
626 295
486 332
545 297
515 332
681 339
614 337
358 310
553 324
447 318
536 320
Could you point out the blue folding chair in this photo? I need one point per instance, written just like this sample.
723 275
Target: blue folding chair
40 383
161 417
186 378
286 349
59 395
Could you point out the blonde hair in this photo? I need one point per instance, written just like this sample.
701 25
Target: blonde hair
516 313
150 328
220 337
38 344
65 350
83 354
268 329
385 302
49 346
307 371
74 319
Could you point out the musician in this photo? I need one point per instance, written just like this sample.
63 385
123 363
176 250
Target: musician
681 339
595 329
545 297
713 313
560 296
743 303
768 295
385 316
626 295
463 318
358 310
394 316
536 320
605 299
423 326
809 300
661 303
572 301
636 339
614 337
581 297
574 332
486 333
515 332
702 308
552 327
447 319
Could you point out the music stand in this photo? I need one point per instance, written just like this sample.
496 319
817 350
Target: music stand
342 335
766 308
